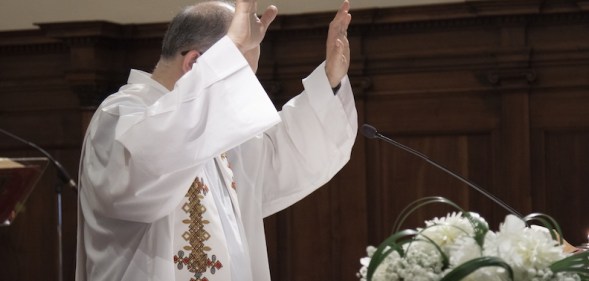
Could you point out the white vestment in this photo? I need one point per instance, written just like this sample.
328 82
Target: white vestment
182 180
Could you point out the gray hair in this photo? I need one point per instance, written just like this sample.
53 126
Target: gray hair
197 27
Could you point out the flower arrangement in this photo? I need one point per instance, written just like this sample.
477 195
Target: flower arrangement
460 246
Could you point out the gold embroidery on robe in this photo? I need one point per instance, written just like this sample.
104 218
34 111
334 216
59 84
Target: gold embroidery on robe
197 234
197 261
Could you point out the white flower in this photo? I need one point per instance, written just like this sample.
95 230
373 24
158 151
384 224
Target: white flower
528 251
443 231
384 272
465 248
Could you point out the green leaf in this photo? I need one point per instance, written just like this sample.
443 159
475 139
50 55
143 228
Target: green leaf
418 204
479 226
445 259
473 265
548 222
386 247
577 263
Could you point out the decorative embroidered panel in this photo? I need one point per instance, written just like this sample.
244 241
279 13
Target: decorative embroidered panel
195 255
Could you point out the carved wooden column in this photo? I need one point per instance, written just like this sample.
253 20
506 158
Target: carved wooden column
513 79
97 60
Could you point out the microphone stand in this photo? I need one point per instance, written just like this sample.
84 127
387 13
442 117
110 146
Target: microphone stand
371 133
65 180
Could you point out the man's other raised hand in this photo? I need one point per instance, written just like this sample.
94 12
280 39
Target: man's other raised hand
247 30
337 59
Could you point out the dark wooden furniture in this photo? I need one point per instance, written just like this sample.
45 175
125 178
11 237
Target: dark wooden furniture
498 91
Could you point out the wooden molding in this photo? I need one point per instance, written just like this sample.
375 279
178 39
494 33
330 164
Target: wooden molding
497 78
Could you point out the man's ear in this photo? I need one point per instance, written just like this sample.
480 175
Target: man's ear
189 59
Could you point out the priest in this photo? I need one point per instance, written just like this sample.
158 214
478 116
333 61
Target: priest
180 166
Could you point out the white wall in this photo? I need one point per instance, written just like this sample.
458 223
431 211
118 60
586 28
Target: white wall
22 14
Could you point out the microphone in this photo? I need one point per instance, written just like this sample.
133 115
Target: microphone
62 174
371 133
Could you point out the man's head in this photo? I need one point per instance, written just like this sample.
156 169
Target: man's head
196 28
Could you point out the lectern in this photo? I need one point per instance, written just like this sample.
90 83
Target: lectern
18 177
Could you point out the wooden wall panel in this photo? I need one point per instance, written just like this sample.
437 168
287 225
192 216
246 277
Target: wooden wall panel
560 130
566 181
406 178
36 104
497 91
455 130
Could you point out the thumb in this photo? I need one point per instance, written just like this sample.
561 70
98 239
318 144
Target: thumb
269 16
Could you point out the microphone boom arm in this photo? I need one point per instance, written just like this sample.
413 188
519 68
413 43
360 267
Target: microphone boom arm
371 133
62 174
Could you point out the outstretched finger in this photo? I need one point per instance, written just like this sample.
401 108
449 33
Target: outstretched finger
342 20
343 11
269 16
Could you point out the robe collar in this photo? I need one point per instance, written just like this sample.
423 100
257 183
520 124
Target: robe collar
142 77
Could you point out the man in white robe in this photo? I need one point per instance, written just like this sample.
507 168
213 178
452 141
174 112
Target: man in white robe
180 167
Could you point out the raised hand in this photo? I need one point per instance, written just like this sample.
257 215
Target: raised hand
246 29
337 58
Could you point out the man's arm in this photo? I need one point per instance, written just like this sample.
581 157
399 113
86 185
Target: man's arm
312 142
146 156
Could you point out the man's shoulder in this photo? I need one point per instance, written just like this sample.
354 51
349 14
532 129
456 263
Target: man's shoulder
138 94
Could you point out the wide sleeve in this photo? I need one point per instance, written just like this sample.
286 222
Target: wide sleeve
303 152
140 160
